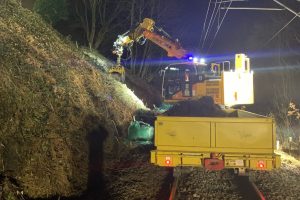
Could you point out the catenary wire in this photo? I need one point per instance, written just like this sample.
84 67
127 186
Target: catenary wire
211 44
279 31
204 24
209 24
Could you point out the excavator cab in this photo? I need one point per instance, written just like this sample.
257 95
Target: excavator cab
178 80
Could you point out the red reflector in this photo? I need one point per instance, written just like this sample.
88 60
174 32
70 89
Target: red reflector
261 164
168 161
213 164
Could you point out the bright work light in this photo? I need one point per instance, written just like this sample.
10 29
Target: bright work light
195 60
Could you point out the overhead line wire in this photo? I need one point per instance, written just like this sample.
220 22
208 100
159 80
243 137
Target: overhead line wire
289 9
203 28
219 27
252 8
213 19
280 31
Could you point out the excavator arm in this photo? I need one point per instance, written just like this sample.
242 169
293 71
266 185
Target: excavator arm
172 48
145 30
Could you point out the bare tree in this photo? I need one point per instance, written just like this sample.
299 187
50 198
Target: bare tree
100 17
285 91
281 101
139 55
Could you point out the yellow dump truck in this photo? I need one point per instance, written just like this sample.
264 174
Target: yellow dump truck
243 142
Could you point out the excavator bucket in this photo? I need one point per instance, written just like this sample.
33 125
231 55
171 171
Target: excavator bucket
118 73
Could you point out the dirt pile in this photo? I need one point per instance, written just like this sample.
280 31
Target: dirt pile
60 116
203 107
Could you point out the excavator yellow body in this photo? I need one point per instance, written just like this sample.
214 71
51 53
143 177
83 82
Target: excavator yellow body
227 87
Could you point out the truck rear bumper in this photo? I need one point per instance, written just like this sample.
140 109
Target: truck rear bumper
220 160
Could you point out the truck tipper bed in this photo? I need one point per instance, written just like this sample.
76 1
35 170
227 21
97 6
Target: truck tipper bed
243 142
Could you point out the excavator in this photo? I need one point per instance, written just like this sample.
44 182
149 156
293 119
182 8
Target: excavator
191 78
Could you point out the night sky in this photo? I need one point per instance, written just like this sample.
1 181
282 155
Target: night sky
241 30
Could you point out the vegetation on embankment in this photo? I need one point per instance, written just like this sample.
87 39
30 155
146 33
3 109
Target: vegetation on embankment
60 116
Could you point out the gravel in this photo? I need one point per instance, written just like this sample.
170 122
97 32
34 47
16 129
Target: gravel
281 183
278 184
201 184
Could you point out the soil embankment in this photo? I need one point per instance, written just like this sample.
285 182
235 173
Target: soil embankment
62 119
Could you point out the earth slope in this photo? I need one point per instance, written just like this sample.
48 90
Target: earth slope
60 116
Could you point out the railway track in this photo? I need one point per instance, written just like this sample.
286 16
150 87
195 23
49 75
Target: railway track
248 189
174 188
213 185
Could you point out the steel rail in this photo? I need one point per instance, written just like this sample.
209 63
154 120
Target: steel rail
257 191
245 187
248 189
174 189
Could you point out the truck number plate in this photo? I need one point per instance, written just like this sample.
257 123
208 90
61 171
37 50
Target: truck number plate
239 162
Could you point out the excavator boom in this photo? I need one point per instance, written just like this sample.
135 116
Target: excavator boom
172 48
144 30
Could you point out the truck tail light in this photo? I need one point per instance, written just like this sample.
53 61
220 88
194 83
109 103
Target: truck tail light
261 164
168 161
